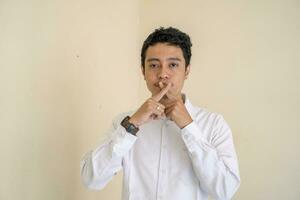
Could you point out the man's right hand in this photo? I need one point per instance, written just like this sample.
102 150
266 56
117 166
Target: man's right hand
151 109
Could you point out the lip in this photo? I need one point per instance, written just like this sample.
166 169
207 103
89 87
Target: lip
165 84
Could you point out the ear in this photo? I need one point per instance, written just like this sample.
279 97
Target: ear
187 71
143 71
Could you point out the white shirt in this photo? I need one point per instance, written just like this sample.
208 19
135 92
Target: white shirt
166 162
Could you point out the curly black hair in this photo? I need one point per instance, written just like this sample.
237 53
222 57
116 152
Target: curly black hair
171 36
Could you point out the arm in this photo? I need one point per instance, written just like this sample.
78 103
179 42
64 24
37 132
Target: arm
100 165
215 162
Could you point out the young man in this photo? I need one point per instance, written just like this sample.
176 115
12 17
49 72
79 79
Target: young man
168 148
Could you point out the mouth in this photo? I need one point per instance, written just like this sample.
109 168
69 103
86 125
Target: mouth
164 84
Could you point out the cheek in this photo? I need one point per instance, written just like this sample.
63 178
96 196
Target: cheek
149 74
178 84
150 80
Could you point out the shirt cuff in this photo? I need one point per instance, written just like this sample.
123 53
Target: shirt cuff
191 134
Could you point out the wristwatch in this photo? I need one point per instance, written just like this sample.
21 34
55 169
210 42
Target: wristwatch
130 128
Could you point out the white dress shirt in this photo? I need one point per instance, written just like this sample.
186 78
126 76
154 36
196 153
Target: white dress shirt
166 162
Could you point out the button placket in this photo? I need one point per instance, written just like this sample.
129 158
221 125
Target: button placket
162 170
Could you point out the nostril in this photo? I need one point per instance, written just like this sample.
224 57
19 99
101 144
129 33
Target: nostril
164 76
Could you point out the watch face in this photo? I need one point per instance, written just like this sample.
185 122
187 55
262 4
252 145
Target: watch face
128 126
132 129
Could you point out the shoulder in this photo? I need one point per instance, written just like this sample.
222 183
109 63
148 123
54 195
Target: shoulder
208 118
201 114
212 124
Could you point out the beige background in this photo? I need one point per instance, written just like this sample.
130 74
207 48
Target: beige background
66 68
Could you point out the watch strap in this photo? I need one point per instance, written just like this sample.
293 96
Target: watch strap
130 128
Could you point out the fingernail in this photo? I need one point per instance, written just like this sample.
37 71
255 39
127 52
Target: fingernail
161 85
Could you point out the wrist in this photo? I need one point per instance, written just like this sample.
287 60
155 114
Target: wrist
133 121
130 127
186 123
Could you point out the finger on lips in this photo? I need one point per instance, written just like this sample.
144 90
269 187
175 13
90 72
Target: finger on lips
168 94
163 91
161 85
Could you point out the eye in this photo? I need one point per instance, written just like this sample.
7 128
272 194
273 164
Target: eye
153 65
173 65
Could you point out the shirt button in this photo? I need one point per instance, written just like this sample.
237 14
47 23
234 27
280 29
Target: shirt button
186 137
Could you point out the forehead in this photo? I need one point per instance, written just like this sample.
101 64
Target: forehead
163 51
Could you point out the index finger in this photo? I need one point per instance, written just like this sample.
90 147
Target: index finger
160 95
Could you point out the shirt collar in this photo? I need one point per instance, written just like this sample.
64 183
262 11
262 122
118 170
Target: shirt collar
189 106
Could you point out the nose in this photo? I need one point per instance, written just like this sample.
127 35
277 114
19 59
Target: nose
163 73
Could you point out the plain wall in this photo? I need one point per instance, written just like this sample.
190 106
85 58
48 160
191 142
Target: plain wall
68 67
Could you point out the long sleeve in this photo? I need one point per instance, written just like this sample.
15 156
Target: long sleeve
100 165
214 161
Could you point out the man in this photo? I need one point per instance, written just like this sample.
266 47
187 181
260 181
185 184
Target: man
168 148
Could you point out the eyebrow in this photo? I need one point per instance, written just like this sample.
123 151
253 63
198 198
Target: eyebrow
152 59
156 59
174 58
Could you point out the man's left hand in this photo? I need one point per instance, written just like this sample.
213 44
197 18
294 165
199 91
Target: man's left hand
176 111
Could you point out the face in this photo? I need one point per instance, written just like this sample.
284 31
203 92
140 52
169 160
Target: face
165 63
